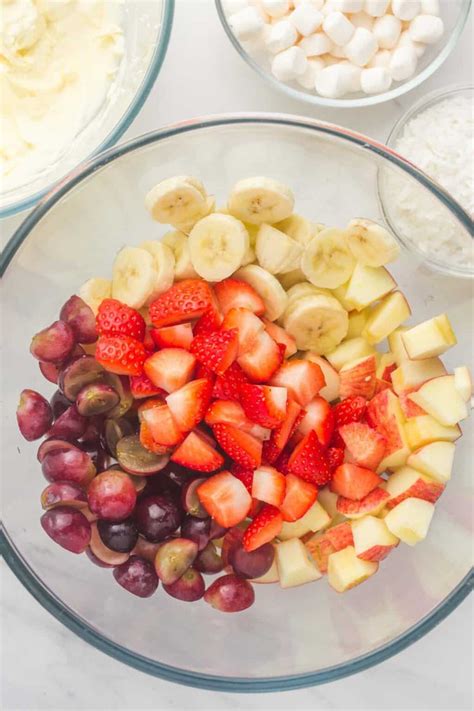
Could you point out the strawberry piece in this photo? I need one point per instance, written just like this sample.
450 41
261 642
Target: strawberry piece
255 508
233 294
227 386
353 482
185 300
358 378
302 378
352 409
148 342
170 368
264 404
210 322
117 319
280 435
335 457
299 497
225 498
241 447
217 351
202 372
245 475
281 337
308 461
248 327
371 504
162 426
264 528
230 412
197 453
148 404
261 362
148 442
189 404
141 386
269 485
282 463
365 445
179 336
122 355
319 417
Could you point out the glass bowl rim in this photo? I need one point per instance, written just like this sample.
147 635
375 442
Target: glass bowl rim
139 98
51 602
373 100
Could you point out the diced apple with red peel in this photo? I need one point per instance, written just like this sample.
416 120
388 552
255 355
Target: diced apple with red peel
368 284
435 460
349 350
462 382
440 398
409 408
430 338
408 483
372 539
330 391
321 545
340 536
328 499
385 366
314 520
358 377
410 520
372 504
386 317
365 445
346 570
396 345
411 374
425 429
385 415
294 563
357 321
268 485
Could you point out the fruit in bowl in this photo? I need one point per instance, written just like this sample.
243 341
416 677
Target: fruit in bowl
225 403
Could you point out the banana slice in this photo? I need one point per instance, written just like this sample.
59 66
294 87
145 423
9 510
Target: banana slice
267 286
304 288
298 228
317 323
188 226
134 276
276 252
164 265
94 291
177 201
258 200
249 257
370 243
217 245
327 261
179 245
291 278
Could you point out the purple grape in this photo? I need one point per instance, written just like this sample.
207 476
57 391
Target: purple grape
101 459
173 558
217 531
54 444
190 500
50 371
208 560
59 404
78 372
232 539
70 424
230 594
146 549
135 459
80 318
160 484
188 588
111 495
108 557
119 536
97 561
137 576
68 465
177 474
197 530
121 384
253 564
115 430
90 440
68 527
63 493
96 399
54 343
34 415
157 517
139 482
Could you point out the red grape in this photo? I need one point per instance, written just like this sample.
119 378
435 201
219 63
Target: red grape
208 560
232 538
114 430
190 499
135 459
68 527
146 549
137 576
80 318
111 495
106 555
217 531
230 594
68 465
54 343
97 561
188 588
59 404
54 444
120 536
65 493
197 530
50 371
173 558
253 564
121 384
34 415
78 372
157 517
96 399
70 424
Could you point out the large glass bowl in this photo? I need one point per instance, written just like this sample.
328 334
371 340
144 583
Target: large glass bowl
289 638
147 29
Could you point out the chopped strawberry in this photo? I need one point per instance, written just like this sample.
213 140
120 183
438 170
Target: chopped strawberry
185 300
261 362
210 322
308 461
170 368
122 355
319 417
225 498
189 404
117 319
299 497
162 426
179 336
216 351
354 482
352 409
230 412
148 442
365 445
281 337
282 463
255 508
245 475
240 446
269 485
264 528
335 457
196 453
264 404
141 386
303 379
202 372
148 405
232 294
148 342
371 504
358 378
227 386
280 435
248 327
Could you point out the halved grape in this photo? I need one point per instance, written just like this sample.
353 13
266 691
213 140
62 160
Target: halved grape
68 465
137 576
50 371
120 536
105 554
70 424
114 430
197 530
54 444
68 527
101 459
146 549
230 594
111 495
33 414
160 484
54 343
63 493
190 499
188 588
97 561
80 318
91 439
173 558
157 517
177 474
121 384
135 459
59 404
139 482
208 560
232 539
253 564
217 531
91 517
96 399
77 373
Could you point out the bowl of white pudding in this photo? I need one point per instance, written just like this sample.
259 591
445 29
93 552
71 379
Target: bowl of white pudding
73 76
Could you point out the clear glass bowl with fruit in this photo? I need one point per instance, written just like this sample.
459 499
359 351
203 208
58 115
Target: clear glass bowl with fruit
242 398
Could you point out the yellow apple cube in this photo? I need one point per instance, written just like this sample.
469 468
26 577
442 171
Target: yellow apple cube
396 345
372 539
430 338
410 520
328 500
406 483
440 398
340 294
357 321
368 284
295 564
349 350
412 373
435 459
425 429
314 520
463 382
387 316
346 570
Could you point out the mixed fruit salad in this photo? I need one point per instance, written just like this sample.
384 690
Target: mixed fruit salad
226 403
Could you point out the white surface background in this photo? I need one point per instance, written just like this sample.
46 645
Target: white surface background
44 666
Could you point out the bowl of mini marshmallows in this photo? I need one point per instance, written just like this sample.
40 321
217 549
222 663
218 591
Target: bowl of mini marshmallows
344 52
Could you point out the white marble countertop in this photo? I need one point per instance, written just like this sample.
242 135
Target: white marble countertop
44 666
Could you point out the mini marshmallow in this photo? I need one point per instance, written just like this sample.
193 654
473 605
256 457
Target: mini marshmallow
328 7
375 80
387 30
338 28
376 8
246 23
406 41
276 8
406 9
329 60
315 45
362 47
348 5
426 28
289 64
430 7
355 73
233 6
317 4
306 19
403 63
308 79
338 51
362 19
334 81
280 36
381 58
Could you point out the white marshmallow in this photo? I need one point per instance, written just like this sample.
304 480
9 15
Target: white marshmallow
330 60
381 59
328 7
247 23
276 8
406 41
289 64
362 47
430 7
337 51
376 8
315 45
375 80
338 28
306 19
280 36
387 30
317 4
355 73
362 19
334 81
308 79
426 28
348 5
406 9
403 63
232 6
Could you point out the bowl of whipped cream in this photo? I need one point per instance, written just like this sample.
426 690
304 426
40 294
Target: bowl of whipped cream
73 76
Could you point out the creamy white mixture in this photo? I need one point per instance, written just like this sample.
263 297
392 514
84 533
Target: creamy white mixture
58 61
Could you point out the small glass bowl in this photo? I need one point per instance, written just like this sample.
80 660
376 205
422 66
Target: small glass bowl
455 13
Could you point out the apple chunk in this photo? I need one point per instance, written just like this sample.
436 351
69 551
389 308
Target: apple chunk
349 350
321 545
408 483
372 504
410 520
372 539
295 564
385 366
430 338
385 414
346 570
435 459
440 398
463 382
410 374
388 315
328 499
357 321
368 284
358 377
314 520
396 345
425 429
330 391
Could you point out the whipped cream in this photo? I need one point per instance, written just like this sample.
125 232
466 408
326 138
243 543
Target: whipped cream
58 62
